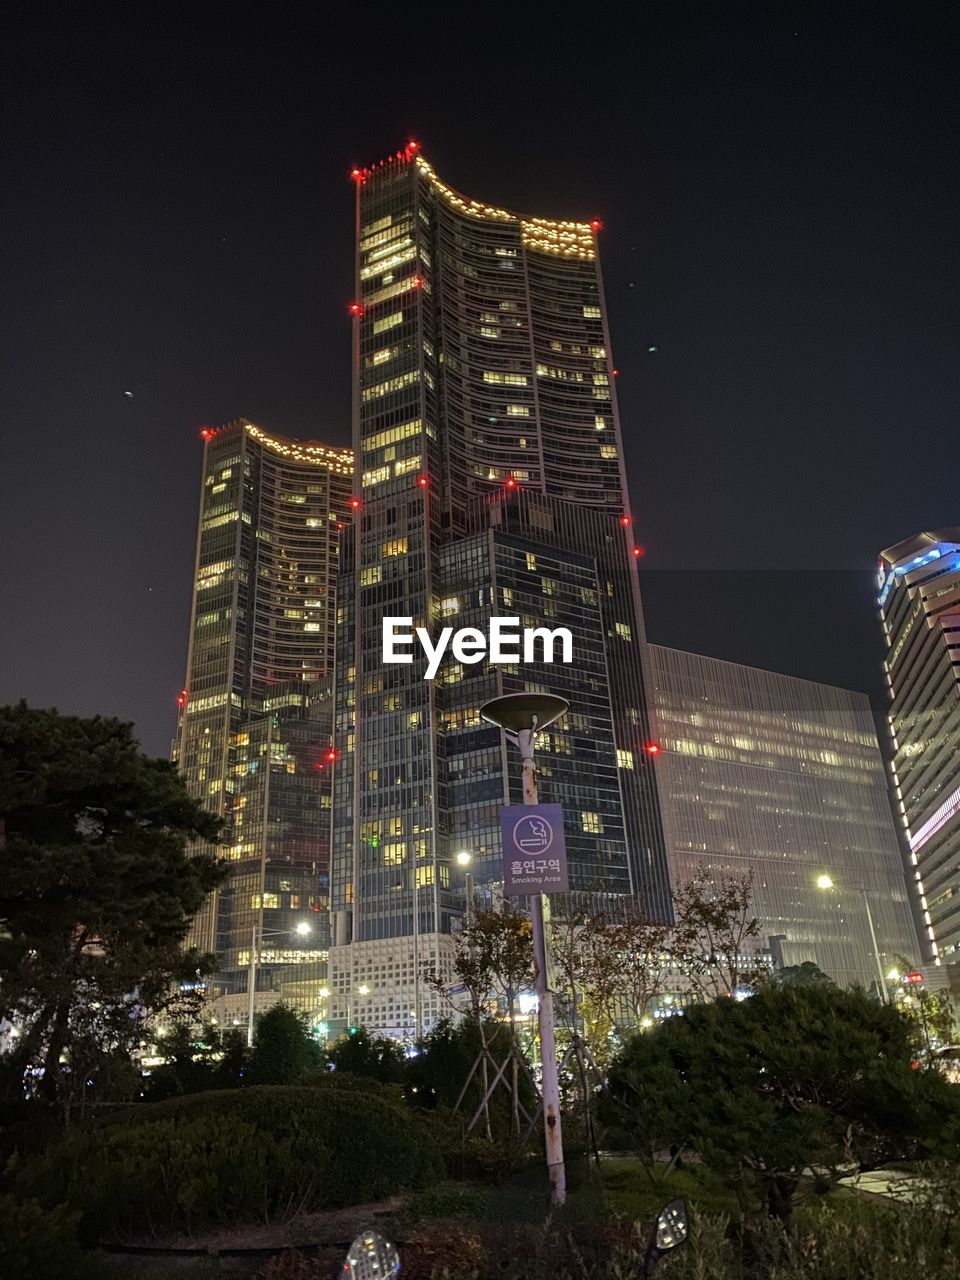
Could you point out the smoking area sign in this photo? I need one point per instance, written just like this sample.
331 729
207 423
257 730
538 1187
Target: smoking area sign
534 851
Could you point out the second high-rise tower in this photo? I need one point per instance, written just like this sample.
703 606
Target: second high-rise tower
491 482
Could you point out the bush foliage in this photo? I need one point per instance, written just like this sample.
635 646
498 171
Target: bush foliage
258 1153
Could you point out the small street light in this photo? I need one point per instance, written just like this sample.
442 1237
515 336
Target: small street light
464 859
826 882
301 929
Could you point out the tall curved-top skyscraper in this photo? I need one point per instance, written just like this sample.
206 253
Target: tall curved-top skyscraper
919 599
492 482
255 712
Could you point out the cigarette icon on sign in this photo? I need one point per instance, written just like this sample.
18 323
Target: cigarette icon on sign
533 835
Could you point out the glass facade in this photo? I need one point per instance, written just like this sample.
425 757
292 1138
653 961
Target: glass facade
783 777
256 713
919 599
491 482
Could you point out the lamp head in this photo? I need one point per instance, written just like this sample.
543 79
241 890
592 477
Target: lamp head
824 882
518 711
303 928
463 858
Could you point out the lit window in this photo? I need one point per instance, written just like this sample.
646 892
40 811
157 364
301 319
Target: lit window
599 423
624 759
369 576
608 451
395 547
591 313
531 562
518 411
623 630
392 384
377 476
449 606
591 822
392 436
311 626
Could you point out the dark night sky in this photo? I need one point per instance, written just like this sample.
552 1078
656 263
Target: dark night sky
779 194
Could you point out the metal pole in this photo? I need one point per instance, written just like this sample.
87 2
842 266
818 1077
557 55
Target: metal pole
416 950
251 987
468 894
550 1083
876 950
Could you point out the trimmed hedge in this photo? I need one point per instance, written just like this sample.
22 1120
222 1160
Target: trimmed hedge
231 1156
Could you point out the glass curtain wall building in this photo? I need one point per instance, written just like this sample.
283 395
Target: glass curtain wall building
781 777
919 599
256 714
491 483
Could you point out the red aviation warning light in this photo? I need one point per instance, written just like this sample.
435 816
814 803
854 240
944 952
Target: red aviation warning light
332 754
510 482
418 282
596 225
638 552
355 503
423 482
411 149
652 748
356 308
182 699
207 433
625 521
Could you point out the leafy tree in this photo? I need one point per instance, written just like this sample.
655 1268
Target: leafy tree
645 951
283 1049
362 1054
715 933
197 1060
806 974
791 1078
493 961
98 891
933 1012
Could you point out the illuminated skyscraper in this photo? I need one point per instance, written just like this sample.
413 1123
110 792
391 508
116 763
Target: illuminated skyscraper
492 484
255 724
780 777
919 581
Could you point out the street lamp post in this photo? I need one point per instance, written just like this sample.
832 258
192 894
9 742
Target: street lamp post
520 716
362 990
302 929
826 882
463 860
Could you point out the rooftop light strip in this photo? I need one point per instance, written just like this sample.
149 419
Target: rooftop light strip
318 455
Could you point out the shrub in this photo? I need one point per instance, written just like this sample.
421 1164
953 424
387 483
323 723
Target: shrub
232 1156
36 1241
